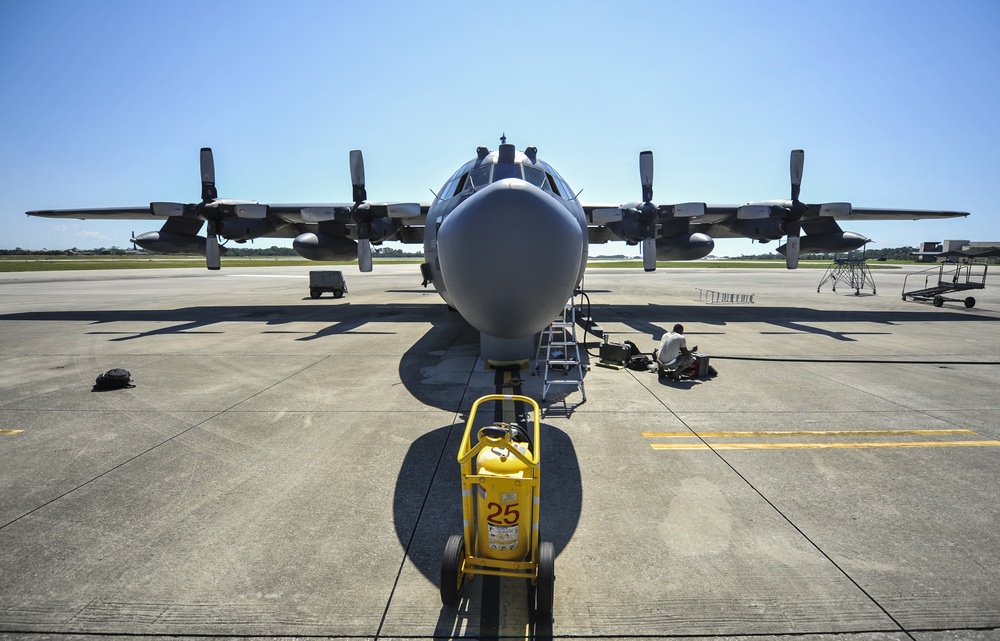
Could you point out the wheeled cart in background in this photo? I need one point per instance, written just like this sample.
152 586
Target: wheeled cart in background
327 281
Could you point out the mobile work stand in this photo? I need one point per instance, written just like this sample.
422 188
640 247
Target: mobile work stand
951 278
853 272
500 503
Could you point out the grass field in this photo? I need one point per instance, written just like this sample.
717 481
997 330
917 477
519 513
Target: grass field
58 263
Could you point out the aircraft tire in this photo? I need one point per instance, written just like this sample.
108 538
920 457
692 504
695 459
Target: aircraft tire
970 302
545 584
451 577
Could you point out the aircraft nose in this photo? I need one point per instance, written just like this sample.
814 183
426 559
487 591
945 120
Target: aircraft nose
510 258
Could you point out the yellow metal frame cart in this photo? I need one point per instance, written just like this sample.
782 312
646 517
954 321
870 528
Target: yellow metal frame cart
500 488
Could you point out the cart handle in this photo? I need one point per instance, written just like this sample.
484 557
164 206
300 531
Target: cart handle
465 452
486 442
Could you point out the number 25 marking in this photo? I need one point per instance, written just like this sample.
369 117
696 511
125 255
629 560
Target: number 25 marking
510 514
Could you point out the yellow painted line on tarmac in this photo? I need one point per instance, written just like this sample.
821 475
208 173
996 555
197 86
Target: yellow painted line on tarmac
798 433
819 446
10 432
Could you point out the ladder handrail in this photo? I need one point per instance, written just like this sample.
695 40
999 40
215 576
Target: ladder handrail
565 328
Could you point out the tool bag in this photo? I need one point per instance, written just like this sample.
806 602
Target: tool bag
116 378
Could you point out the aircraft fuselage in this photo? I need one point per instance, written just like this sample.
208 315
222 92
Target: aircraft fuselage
506 245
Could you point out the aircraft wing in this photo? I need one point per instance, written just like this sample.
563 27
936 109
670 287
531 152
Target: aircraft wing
838 211
107 213
608 221
289 219
860 213
410 213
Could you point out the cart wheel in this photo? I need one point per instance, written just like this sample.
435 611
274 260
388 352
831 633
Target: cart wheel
938 301
338 294
545 585
451 564
970 302
315 293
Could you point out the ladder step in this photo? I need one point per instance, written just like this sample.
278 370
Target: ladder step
563 362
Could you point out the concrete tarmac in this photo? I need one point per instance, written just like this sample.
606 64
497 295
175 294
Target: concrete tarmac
285 467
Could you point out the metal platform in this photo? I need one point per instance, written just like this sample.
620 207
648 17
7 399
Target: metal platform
853 272
950 278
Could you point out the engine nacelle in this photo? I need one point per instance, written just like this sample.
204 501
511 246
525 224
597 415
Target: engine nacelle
836 241
172 243
324 247
686 246
761 229
241 229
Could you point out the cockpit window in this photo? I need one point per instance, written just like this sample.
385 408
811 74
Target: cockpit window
506 171
477 174
555 186
480 176
536 177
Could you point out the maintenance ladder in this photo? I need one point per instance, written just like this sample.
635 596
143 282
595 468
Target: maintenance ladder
561 352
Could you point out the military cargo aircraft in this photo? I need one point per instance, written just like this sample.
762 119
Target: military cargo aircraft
505 239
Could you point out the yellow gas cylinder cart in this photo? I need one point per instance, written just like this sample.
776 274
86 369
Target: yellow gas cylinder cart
500 488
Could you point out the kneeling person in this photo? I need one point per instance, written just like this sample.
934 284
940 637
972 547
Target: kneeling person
674 356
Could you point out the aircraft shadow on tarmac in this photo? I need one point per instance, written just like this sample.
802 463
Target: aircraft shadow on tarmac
347 317
449 330
653 319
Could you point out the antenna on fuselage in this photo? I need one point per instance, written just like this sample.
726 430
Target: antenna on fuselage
503 138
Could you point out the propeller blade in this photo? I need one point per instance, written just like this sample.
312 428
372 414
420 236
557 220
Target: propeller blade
364 254
358 176
792 245
792 252
646 175
208 191
796 163
649 254
212 252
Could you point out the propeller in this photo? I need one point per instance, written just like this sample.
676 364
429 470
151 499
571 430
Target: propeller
208 195
212 209
648 212
793 229
361 211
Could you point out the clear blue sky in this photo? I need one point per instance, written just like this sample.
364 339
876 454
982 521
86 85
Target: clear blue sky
107 103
